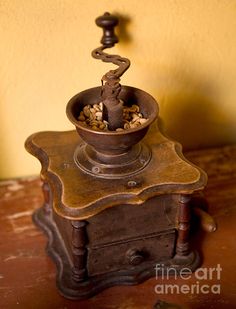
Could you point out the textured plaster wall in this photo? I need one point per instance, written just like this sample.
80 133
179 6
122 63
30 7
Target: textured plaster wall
183 52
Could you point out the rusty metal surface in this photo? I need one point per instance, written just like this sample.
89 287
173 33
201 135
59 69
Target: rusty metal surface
112 149
113 106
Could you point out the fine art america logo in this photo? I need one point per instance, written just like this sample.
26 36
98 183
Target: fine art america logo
203 281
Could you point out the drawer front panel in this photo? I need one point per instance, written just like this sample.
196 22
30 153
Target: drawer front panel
128 221
127 254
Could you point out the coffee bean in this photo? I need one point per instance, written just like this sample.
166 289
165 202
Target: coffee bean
92 117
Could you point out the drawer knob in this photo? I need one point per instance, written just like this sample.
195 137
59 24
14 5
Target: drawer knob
135 256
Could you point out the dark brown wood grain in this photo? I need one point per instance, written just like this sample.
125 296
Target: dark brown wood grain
79 250
182 246
78 195
27 275
167 172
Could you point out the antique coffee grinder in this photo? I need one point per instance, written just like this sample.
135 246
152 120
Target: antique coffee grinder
117 197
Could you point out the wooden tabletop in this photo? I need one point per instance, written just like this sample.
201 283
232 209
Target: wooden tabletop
27 275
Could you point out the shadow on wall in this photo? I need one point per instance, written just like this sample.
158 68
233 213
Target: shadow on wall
121 31
192 113
191 108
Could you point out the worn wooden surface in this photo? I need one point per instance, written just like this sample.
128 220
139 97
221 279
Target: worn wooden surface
167 172
27 275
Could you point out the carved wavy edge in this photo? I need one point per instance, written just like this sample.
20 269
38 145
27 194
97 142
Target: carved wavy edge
92 286
131 198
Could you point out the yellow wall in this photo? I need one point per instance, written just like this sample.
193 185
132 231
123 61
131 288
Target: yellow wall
183 52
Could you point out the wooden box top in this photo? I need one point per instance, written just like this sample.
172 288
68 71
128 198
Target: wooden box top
77 195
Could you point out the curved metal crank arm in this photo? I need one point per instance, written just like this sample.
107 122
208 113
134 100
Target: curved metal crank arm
113 107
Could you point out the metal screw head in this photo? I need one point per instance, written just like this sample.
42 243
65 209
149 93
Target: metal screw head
95 170
142 161
132 183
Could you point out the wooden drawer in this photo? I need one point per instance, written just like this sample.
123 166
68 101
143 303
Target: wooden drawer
126 254
122 222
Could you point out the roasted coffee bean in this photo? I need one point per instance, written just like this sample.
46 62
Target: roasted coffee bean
91 116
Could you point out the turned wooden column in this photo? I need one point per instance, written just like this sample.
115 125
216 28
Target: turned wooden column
79 251
93 256
47 206
182 247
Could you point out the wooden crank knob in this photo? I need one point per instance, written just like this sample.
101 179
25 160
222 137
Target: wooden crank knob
108 23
